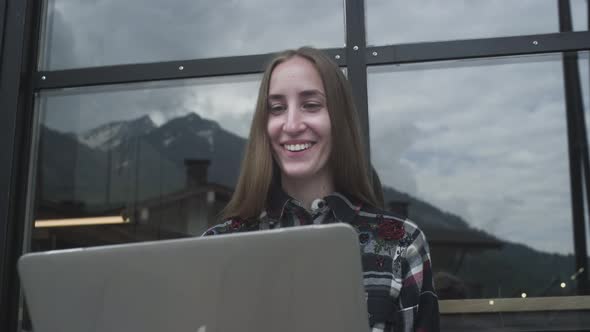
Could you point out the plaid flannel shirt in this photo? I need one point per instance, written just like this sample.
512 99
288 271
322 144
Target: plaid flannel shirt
395 257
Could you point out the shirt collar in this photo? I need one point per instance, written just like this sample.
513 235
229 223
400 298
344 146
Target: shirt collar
345 208
277 201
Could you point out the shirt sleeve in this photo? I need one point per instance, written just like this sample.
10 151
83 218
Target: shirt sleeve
222 228
420 302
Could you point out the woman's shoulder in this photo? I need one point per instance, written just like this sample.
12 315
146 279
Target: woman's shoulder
231 225
379 216
389 233
366 216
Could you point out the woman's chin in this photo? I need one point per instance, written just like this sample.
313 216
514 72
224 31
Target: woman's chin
302 173
297 173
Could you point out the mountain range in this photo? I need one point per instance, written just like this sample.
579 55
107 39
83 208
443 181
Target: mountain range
119 163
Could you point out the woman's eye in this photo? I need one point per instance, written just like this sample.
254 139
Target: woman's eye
276 108
311 106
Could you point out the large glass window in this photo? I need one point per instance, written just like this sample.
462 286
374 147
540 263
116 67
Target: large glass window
476 153
398 22
99 33
137 162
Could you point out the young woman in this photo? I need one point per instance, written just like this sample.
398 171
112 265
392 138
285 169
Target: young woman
305 164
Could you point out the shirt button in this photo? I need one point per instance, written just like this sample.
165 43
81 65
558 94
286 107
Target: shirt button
318 204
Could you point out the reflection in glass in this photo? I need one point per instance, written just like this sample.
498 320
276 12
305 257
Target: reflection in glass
151 160
397 22
475 152
99 33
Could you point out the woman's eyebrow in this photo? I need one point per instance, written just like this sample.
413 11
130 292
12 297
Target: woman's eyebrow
276 97
312 93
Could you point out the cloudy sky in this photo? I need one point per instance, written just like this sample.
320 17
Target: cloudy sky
105 32
484 139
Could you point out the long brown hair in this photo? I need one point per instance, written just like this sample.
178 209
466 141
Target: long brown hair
351 175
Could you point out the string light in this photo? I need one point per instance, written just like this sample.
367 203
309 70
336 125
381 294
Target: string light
81 221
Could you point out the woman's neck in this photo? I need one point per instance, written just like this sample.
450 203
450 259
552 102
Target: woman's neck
305 191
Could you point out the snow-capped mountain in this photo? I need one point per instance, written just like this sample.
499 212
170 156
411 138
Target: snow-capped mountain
187 126
112 134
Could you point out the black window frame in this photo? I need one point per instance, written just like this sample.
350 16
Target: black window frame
19 27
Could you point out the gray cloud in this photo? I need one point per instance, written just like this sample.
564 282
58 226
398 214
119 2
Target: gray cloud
113 32
489 142
396 22
229 101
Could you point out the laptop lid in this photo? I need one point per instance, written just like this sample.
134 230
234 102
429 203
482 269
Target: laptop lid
293 279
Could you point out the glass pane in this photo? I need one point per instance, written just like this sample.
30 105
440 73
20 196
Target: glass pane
476 153
396 22
99 33
143 161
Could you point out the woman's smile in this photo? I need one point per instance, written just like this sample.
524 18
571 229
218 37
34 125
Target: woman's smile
297 147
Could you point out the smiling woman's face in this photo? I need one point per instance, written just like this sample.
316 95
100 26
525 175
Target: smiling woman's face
298 121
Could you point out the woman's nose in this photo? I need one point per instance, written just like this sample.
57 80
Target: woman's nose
294 121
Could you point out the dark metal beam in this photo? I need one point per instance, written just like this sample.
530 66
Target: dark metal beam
237 65
577 143
15 75
2 21
356 63
478 48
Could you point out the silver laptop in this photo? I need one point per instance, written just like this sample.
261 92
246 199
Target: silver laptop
294 279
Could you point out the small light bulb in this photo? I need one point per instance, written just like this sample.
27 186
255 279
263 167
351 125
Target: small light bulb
491 302
563 285
523 295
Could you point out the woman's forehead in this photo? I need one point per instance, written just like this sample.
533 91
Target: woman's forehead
296 74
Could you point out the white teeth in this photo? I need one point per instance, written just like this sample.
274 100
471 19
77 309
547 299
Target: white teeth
297 147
